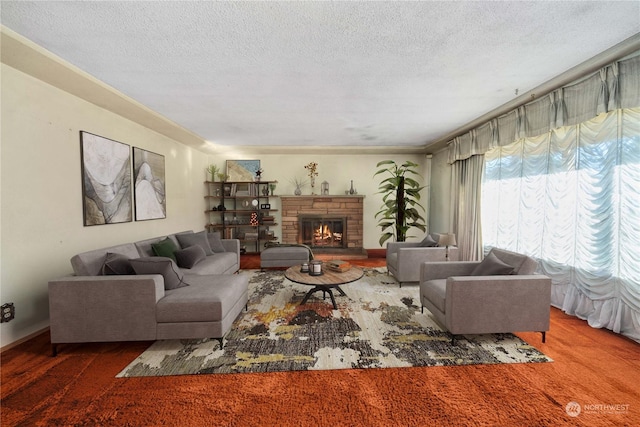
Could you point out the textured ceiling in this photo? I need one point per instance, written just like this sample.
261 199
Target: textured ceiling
323 73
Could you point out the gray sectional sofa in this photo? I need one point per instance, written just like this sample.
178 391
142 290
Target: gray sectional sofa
129 293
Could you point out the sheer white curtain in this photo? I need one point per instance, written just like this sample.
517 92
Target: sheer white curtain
571 198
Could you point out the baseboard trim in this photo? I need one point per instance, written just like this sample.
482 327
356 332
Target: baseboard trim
23 340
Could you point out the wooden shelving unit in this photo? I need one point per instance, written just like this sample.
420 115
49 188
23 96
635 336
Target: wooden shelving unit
242 210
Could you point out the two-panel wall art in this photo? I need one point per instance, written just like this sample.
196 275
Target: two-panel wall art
107 193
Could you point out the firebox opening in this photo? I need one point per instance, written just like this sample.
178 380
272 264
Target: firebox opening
322 232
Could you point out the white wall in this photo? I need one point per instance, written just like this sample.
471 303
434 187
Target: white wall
41 204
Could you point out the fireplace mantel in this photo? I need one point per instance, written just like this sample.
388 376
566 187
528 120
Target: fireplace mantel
348 206
319 196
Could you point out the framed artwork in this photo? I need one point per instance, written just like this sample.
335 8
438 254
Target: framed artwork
149 193
242 170
106 180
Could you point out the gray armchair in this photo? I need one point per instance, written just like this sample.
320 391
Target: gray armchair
404 258
499 300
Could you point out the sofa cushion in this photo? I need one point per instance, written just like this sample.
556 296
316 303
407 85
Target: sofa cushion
195 239
522 264
491 266
207 299
116 264
428 242
215 242
144 246
224 263
190 256
90 263
164 248
173 277
435 291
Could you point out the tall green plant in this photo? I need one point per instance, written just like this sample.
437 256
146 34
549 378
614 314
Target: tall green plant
401 201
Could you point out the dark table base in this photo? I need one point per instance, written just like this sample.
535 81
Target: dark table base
325 290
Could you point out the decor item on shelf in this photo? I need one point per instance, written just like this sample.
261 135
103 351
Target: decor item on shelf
265 191
352 190
259 174
272 187
447 240
214 171
401 196
254 219
312 167
222 176
324 187
242 170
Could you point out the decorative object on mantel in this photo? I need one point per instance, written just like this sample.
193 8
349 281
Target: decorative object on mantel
447 240
214 171
324 187
299 183
106 180
242 170
401 196
352 190
312 167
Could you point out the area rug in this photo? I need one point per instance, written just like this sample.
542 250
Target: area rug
377 325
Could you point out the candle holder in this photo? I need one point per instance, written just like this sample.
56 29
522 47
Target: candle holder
315 268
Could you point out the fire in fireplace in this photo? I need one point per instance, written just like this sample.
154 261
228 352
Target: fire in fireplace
322 231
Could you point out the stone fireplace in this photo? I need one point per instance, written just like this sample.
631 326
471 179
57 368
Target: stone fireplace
325 223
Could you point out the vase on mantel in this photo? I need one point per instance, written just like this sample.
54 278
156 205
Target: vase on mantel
351 190
297 191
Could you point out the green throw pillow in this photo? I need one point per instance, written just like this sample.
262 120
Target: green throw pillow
165 247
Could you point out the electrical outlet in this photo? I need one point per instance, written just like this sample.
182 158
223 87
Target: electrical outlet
7 312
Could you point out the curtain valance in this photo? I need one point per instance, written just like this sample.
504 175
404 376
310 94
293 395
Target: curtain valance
614 86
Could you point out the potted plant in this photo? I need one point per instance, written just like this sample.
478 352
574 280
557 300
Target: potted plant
213 170
401 196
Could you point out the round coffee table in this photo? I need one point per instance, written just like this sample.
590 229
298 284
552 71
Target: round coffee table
325 282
